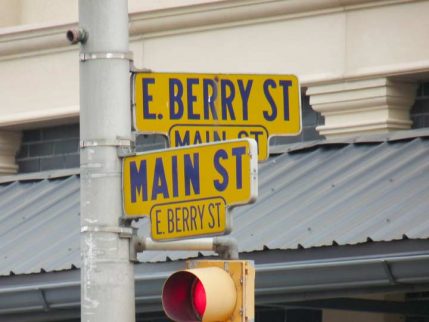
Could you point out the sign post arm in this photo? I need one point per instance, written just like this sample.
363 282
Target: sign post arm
226 247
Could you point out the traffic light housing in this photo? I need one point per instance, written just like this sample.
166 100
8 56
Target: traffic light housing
211 290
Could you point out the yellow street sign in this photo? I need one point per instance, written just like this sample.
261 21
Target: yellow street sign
201 108
188 218
186 191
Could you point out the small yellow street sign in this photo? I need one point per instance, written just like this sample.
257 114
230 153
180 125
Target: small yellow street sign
186 191
195 217
201 108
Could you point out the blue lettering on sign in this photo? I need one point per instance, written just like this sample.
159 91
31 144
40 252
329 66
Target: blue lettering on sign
227 99
218 184
175 176
209 99
198 139
229 91
192 173
176 93
178 138
159 181
185 220
138 180
157 222
245 93
170 220
286 85
216 136
269 83
187 138
214 219
251 134
147 98
238 153
192 98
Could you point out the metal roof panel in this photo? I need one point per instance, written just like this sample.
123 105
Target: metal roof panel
317 195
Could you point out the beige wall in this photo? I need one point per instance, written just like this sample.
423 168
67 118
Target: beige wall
318 45
319 41
39 88
10 11
34 12
312 47
48 11
323 42
147 5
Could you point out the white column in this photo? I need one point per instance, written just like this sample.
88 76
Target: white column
353 108
10 142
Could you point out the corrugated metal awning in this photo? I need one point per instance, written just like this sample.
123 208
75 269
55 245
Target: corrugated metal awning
314 194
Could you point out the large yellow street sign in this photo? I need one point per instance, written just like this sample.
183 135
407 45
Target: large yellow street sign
186 191
200 108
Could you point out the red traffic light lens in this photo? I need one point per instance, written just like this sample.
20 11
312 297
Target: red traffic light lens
204 293
199 300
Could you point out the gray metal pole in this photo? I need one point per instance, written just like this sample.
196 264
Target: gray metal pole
107 277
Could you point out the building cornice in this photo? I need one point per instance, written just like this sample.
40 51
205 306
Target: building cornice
21 120
233 13
22 41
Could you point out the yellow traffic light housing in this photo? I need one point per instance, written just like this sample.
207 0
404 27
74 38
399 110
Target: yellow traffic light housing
211 290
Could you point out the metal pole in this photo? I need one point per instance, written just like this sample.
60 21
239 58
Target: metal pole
107 277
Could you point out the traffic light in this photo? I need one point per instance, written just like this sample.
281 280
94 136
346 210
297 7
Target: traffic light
211 290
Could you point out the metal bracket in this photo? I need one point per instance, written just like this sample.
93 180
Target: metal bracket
123 232
389 274
134 69
45 303
106 142
126 151
112 55
125 146
225 246
134 247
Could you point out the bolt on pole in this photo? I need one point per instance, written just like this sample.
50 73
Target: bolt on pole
107 276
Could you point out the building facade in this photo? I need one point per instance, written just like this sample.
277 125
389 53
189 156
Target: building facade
339 230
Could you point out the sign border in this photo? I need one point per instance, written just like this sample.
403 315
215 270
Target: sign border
228 223
253 173
166 135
